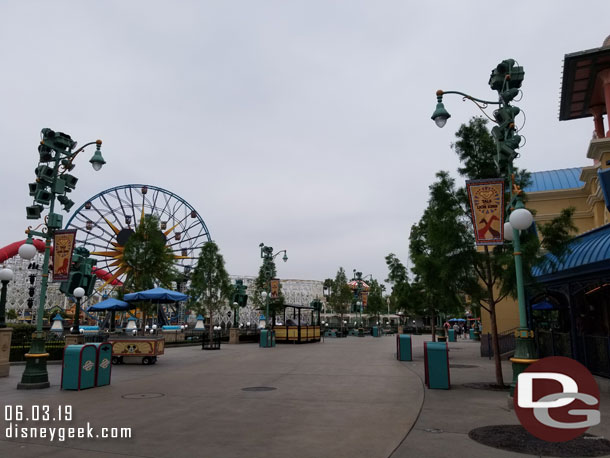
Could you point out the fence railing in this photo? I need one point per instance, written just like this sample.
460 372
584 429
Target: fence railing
506 342
553 343
597 354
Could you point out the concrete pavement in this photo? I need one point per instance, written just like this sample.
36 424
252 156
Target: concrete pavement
341 398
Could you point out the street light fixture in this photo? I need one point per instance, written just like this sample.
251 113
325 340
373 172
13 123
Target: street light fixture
78 294
57 152
506 79
268 256
6 275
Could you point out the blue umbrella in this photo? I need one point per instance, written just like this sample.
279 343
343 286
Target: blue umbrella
156 295
544 305
110 305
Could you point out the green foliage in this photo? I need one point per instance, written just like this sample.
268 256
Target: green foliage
376 304
400 299
22 331
11 314
150 262
441 248
341 294
210 283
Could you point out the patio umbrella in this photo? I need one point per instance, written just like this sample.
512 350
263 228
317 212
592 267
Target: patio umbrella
157 296
110 305
544 305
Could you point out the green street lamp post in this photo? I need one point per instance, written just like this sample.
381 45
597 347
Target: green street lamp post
6 275
78 295
57 152
268 256
506 79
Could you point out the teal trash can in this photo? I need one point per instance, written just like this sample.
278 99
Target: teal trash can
471 333
79 367
436 362
267 338
451 333
404 348
104 364
376 331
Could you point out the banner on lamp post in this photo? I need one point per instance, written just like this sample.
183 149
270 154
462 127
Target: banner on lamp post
486 199
275 288
63 246
365 298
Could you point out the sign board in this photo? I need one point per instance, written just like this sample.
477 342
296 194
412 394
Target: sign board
487 207
63 245
275 288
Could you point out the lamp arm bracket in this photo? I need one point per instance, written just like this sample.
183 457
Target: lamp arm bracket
73 155
481 104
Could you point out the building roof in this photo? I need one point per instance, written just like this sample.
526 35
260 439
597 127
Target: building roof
580 87
587 253
553 180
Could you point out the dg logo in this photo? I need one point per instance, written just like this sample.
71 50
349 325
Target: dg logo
557 399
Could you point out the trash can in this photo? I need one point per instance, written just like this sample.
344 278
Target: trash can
451 335
404 348
104 363
471 333
267 338
436 361
78 367
376 331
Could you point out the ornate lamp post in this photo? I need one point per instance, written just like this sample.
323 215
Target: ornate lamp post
268 256
78 294
57 154
6 275
506 79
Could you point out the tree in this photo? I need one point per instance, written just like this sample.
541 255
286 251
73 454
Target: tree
341 295
376 305
398 278
210 283
495 270
149 261
440 246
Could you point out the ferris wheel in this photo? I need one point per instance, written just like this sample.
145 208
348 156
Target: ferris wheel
106 221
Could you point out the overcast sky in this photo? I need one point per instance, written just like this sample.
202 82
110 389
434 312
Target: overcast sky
301 124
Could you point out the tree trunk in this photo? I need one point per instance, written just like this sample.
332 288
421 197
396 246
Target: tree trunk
496 345
211 327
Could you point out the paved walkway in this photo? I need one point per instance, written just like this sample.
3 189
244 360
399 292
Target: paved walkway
341 398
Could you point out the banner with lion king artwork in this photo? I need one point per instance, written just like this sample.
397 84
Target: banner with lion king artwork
63 245
487 207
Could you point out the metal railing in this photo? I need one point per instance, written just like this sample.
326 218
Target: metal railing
506 342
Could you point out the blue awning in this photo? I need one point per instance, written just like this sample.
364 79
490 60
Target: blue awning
544 305
587 254
160 295
110 305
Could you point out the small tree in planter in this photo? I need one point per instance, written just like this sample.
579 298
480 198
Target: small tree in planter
210 283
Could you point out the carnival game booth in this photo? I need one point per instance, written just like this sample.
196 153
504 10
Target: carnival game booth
301 325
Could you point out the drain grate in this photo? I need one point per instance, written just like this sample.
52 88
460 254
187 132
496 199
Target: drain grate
142 395
259 388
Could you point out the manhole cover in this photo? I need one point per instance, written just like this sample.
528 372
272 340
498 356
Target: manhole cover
462 366
142 395
515 438
259 388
